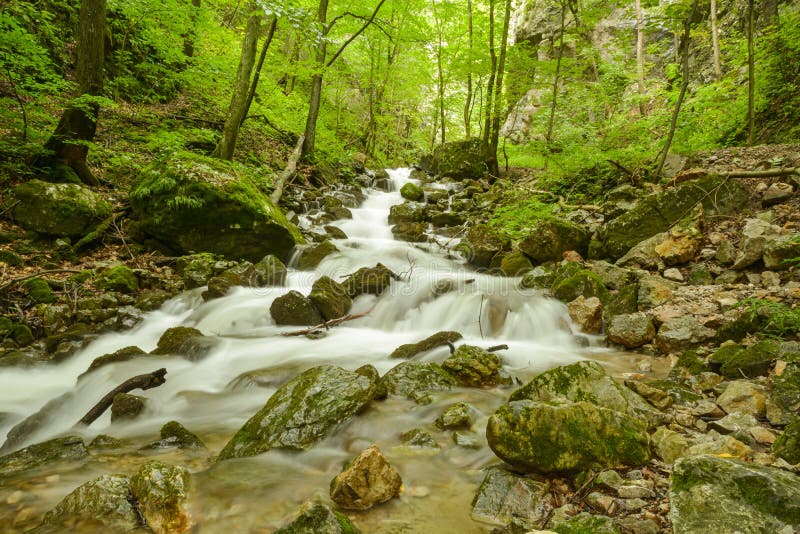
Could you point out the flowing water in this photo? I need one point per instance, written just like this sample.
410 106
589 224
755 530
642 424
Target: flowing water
215 396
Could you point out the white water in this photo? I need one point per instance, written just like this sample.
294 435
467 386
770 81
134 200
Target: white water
207 398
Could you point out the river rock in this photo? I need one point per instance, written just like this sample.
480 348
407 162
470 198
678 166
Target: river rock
410 231
417 437
100 503
744 397
302 412
461 160
682 242
318 519
669 445
439 339
174 434
778 252
548 437
227 213
583 283
515 264
127 406
412 191
711 494
755 237
294 309
117 278
680 333
313 256
783 404
197 269
585 522
587 381
481 244
777 193
445 219
613 276
504 497
550 238
369 281
787 446
408 212
65 449
68 210
475 367
658 212
416 380
269 271
454 417
631 330
654 291
643 255
185 341
587 314
330 298
369 480
161 490
122 355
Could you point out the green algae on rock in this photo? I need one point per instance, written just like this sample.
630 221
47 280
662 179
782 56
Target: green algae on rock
319 519
475 367
104 502
416 381
161 490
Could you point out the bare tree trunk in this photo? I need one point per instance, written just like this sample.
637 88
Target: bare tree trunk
751 74
715 41
491 160
230 132
257 74
687 35
487 108
557 78
468 102
78 124
441 85
640 56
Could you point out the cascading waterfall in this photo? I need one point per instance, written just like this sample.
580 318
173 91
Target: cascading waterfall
215 396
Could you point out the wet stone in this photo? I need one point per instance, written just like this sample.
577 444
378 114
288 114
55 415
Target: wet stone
504 496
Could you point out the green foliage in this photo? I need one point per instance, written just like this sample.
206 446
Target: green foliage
518 212
777 319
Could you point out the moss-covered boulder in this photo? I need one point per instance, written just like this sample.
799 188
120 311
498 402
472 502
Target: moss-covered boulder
412 191
515 264
712 494
122 355
197 269
504 496
658 212
312 256
550 238
408 212
454 417
303 411
102 503
416 381
39 291
221 284
319 519
68 210
787 446
587 382
10 258
548 437
127 406
540 277
269 271
294 309
117 278
369 281
439 339
330 298
185 341
583 283
186 206
66 449
461 160
410 232
752 361
162 492
475 367
481 244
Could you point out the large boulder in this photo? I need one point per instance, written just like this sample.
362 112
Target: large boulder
162 491
719 495
459 159
330 298
587 381
69 210
658 212
188 206
549 437
550 238
369 480
294 308
303 411
102 503
475 367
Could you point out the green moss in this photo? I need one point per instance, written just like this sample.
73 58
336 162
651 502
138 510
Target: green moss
313 256
787 446
583 282
22 335
10 258
752 361
118 278
39 291
412 192
515 264
689 362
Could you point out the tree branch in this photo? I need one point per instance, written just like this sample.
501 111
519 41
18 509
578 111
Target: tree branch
145 381
355 35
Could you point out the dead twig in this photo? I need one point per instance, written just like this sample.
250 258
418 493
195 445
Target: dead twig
327 324
145 381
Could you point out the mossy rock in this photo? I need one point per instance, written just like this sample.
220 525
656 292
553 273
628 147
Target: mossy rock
623 301
294 309
369 281
39 291
313 256
269 271
699 276
187 206
784 400
712 494
117 278
197 269
752 361
162 493
416 381
303 411
737 329
330 298
689 363
65 449
103 503
439 339
583 283
540 277
10 258
67 210
475 367
408 212
549 239
412 192
481 244
221 284
185 341
127 406
680 394
656 213
780 253
461 160
515 264
584 523
566 438
505 497
319 519
122 355
410 232
787 446
174 434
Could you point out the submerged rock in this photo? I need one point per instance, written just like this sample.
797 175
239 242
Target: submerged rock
712 494
103 502
318 519
161 490
127 406
475 367
369 480
416 380
566 438
269 271
69 448
504 497
302 412
456 416
69 210
416 437
294 309
439 339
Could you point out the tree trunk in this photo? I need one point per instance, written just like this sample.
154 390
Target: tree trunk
715 41
191 33
491 160
557 78
640 56
441 84
257 74
487 122
230 132
687 35
78 124
468 102
751 75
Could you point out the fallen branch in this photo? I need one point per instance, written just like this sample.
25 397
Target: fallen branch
35 275
95 234
288 172
145 381
327 324
497 347
690 174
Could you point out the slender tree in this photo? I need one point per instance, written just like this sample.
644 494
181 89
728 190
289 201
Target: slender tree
751 74
468 98
557 77
69 143
715 41
491 160
640 56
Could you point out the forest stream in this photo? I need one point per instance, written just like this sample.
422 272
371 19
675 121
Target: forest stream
215 396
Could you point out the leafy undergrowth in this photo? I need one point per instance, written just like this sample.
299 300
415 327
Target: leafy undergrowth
776 319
